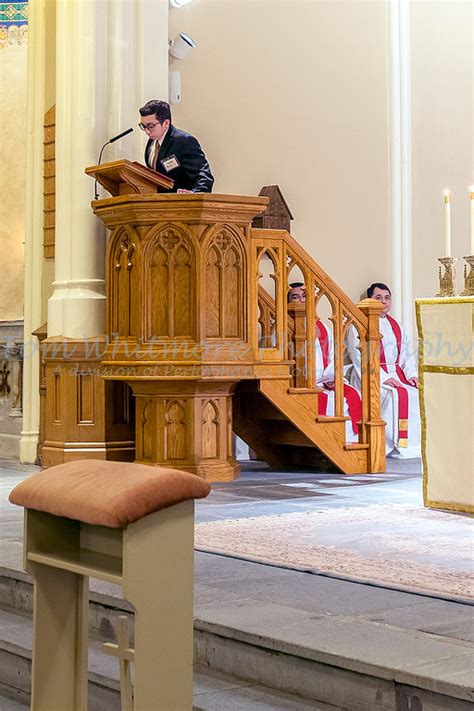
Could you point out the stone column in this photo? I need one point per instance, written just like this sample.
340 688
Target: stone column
102 68
76 307
34 228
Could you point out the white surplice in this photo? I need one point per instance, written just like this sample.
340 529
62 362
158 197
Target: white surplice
407 361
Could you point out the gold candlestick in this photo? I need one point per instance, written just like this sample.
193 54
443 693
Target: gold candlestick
446 280
468 277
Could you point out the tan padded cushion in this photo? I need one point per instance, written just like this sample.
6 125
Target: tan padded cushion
111 494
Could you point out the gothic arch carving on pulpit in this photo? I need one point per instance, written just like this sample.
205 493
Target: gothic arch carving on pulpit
169 276
146 425
210 430
124 257
175 429
269 276
224 269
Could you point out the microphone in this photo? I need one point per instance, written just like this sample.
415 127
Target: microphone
121 135
111 140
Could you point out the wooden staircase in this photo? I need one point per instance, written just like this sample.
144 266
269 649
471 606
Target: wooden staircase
277 415
282 429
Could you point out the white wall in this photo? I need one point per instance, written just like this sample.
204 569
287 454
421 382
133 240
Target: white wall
443 122
294 93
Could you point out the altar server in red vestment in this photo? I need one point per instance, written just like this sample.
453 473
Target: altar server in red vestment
325 372
399 403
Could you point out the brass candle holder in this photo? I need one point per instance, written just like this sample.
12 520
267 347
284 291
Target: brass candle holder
446 280
468 277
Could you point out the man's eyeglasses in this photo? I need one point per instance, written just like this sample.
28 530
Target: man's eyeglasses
149 126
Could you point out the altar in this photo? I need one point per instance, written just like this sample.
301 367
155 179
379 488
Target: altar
446 373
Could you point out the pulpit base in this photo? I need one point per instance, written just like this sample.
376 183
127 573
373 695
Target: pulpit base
186 425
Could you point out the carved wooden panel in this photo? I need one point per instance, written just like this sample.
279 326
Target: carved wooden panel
169 285
57 397
224 287
210 430
147 423
49 184
213 293
124 284
175 430
85 398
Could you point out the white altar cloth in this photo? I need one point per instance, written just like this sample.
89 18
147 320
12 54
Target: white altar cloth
446 372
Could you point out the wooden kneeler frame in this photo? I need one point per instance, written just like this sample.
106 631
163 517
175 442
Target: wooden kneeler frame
152 558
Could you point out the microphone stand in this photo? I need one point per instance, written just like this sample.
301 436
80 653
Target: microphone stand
111 140
96 188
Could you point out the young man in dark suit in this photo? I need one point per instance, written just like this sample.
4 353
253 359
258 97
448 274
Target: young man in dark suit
173 152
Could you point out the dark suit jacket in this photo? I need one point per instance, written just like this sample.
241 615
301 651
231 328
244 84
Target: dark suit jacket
193 172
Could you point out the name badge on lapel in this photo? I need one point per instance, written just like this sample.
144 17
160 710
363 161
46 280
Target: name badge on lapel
170 163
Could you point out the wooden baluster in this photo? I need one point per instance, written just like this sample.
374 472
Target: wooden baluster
265 325
338 361
370 374
281 296
311 334
298 312
252 291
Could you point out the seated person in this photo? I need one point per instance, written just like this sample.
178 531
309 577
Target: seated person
399 405
325 372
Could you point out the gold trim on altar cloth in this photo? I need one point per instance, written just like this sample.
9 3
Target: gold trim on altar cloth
445 300
447 369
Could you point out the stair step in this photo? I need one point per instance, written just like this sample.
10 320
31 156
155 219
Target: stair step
288 670
213 690
355 445
275 421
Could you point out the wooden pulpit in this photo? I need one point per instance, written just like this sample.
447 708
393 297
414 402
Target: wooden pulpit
123 177
177 275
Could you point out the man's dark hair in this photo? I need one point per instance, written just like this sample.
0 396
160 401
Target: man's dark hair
377 285
161 109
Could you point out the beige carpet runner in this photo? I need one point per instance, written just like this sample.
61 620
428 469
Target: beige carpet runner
403 547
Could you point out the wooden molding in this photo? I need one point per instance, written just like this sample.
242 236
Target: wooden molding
49 184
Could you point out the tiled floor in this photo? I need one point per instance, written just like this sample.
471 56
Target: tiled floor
263 491
414 634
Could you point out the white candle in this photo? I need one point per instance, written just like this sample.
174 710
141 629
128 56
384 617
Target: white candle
447 223
471 196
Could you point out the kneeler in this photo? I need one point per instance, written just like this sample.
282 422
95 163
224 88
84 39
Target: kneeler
129 524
